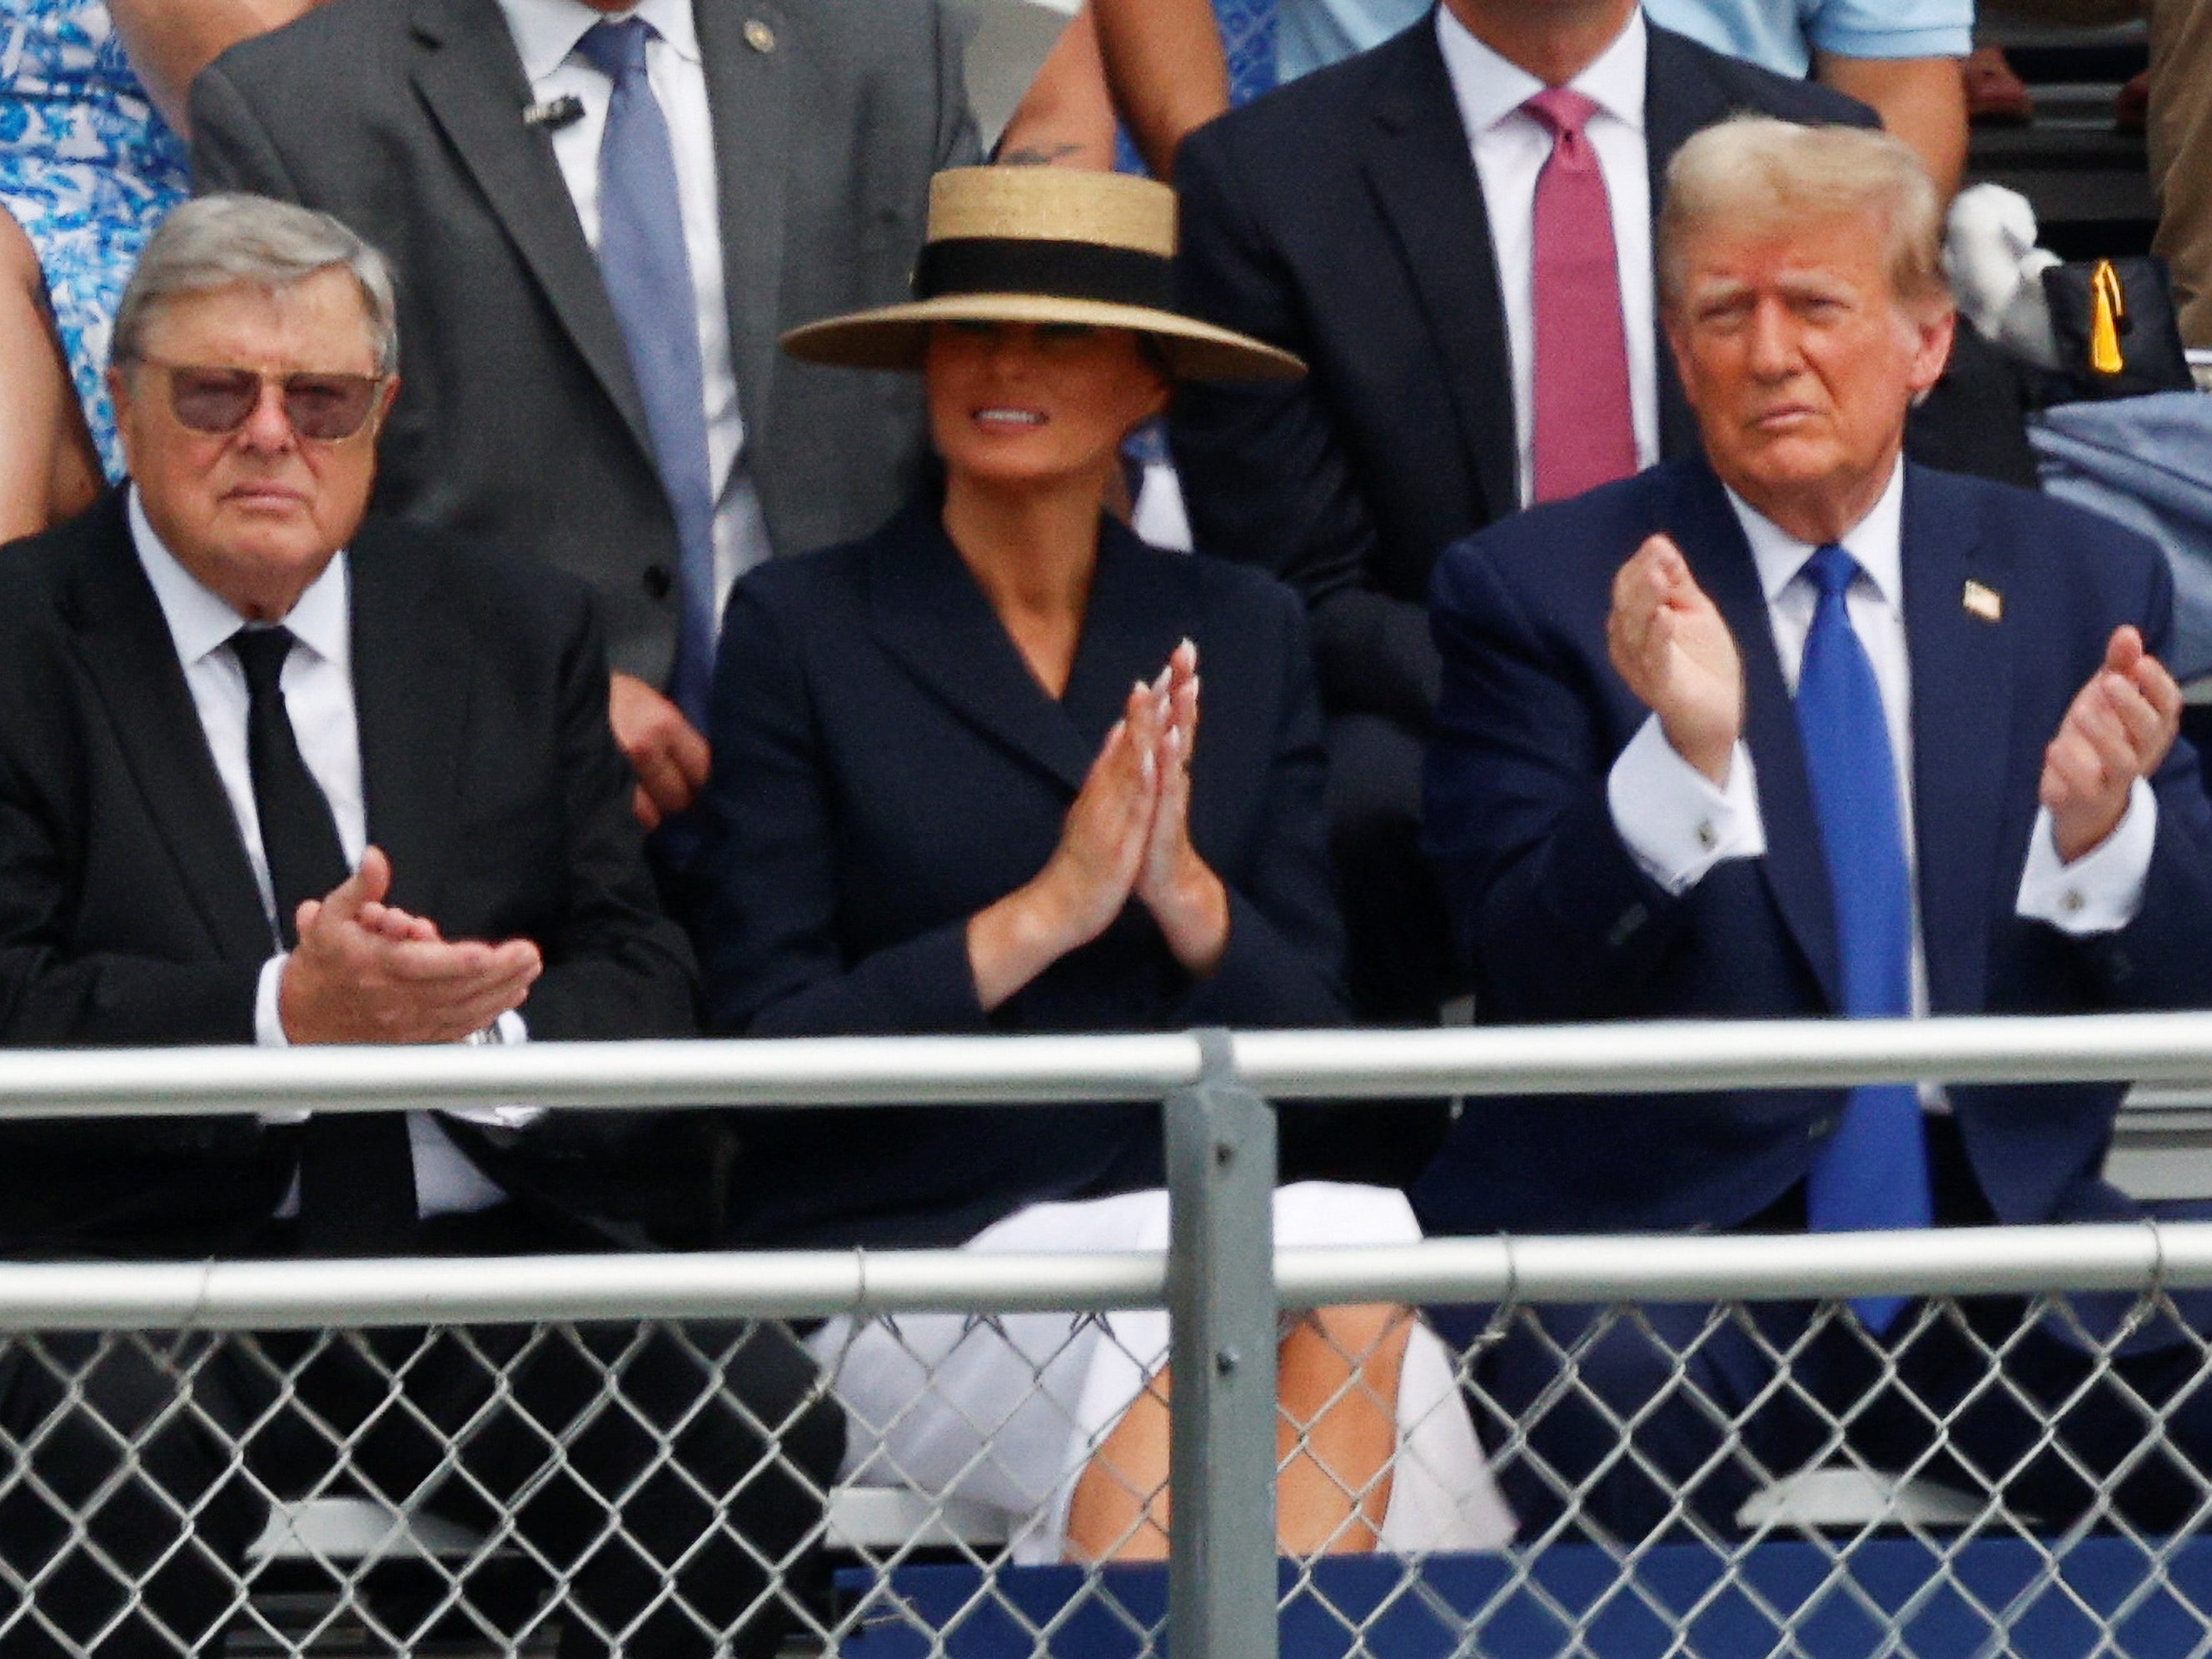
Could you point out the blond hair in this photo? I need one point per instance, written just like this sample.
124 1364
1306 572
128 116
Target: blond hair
1752 174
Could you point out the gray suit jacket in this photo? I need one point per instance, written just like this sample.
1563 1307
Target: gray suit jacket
519 417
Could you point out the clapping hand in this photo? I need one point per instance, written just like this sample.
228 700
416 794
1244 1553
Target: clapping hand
1669 641
365 971
2117 729
1126 836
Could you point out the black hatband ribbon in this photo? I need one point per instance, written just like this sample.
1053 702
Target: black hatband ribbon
1062 270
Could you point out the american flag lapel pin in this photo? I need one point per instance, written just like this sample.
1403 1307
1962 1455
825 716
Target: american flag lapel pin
1983 601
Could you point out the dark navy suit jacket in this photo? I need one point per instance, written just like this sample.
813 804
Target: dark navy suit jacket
1340 218
885 766
1564 926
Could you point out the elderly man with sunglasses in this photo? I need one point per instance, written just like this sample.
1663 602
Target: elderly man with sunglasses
274 772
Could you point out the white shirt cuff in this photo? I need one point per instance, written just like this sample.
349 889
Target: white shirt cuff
511 1028
2101 891
1672 820
268 1022
269 1025
269 1033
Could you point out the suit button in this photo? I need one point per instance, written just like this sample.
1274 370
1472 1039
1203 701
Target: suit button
1820 1128
658 582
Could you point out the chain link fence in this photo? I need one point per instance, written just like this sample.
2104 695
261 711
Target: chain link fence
1720 1470
240 1466
1806 1518
1599 1446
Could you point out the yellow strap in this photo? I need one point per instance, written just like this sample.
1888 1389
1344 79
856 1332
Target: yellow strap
2110 312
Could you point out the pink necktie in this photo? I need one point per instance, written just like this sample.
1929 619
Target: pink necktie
1584 433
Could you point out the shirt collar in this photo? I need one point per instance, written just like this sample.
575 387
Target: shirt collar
1877 542
201 622
546 31
1489 89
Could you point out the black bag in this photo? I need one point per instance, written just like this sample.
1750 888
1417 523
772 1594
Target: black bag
2114 324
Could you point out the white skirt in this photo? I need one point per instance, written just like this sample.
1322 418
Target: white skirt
1006 1410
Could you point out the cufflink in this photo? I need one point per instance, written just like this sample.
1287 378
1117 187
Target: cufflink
1707 836
759 36
1983 601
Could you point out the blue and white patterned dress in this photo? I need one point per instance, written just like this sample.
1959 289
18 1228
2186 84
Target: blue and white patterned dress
1248 51
87 167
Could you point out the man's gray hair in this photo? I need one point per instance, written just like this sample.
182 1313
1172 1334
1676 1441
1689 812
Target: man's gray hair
1754 174
223 242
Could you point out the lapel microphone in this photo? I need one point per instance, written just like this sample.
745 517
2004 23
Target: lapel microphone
554 114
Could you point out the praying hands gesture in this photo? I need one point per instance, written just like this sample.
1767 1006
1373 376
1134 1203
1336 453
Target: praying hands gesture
1127 836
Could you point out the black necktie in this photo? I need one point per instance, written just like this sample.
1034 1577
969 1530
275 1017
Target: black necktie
357 1170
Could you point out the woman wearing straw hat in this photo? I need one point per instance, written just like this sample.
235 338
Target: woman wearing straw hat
963 785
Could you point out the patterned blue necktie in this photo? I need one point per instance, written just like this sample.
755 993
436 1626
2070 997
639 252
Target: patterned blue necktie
1874 1173
643 262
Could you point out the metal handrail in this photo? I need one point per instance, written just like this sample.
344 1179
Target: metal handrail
280 1295
1609 1059
1659 1058
2130 1256
447 1290
692 1071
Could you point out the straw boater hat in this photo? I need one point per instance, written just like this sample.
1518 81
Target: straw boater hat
1044 245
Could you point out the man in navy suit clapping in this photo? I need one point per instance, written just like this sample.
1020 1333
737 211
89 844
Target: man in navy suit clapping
1802 728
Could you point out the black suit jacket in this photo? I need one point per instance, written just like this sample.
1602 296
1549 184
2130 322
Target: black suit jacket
519 417
128 910
886 767
1340 218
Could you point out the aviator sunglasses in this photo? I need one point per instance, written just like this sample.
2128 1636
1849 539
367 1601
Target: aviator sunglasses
325 407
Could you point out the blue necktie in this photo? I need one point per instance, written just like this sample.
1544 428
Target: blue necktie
1874 1173
648 277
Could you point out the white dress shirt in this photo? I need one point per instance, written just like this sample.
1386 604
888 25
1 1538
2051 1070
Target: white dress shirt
1511 147
545 35
318 686
1678 825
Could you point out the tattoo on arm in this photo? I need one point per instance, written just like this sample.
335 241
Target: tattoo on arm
1030 156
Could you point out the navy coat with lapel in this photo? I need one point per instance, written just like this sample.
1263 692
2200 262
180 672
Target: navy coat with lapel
128 910
1563 926
886 766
